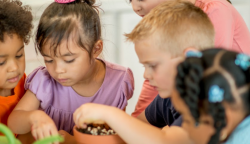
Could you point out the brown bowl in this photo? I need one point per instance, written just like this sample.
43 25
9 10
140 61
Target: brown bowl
82 138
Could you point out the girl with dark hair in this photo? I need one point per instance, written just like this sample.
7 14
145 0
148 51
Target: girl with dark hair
69 39
213 95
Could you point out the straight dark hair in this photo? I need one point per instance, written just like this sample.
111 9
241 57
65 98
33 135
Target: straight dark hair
78 20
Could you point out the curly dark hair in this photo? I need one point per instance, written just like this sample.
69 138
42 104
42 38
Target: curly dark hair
15 19
60 21
216 67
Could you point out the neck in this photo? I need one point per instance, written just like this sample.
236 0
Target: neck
93 73
6 92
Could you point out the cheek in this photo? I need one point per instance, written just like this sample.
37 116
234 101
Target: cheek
192 132
164 76
4 75
151 4
22 63
199 135
51 70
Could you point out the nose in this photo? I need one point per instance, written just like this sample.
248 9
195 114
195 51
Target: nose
13 66
59 69
147 74
136 6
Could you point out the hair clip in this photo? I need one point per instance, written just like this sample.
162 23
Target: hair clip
194 54
215 94
64 1
243 61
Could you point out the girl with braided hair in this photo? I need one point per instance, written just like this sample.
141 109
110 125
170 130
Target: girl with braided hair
212 94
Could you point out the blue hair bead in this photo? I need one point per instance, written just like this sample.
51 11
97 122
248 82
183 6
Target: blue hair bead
243 61
215 94
194 54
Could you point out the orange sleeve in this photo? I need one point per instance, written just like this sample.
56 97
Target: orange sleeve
148 94
7 104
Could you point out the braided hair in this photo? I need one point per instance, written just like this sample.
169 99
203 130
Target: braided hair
196 76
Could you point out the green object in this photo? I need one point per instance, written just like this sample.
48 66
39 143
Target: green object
51 139
9 137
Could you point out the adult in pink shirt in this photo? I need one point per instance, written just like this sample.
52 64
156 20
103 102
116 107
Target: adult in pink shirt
230 28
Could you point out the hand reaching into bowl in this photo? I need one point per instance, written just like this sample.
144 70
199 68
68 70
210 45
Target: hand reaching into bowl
90 113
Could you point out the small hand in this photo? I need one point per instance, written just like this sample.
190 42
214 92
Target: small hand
90 113
43 126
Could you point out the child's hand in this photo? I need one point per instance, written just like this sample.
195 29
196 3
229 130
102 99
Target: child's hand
42 126
90 113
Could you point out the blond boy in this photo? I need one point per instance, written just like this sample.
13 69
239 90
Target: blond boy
170 32
161 39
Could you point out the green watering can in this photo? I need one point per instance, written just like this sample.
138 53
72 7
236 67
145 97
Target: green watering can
9 137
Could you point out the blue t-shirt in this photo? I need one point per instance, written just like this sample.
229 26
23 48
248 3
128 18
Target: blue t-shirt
241 134
161 113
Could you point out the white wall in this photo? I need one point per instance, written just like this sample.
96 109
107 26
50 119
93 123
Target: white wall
118 18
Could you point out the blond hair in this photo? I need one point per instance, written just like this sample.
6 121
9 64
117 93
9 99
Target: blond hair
176 25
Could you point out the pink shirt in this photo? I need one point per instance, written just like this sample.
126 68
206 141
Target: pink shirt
231 33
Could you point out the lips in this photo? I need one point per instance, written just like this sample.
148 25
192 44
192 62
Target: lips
13 79
62 80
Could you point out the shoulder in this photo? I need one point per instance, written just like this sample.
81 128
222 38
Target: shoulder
119 72
115 67
39 78
121 77
209 6
38 73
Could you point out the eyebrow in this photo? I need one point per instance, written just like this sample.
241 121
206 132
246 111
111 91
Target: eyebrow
67 54
1 56
146 62
20 49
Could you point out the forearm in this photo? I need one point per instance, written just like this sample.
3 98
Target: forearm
20 121
132 130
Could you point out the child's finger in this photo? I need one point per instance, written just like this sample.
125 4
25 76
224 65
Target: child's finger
40 133
77 118
34 134
53 131
46 133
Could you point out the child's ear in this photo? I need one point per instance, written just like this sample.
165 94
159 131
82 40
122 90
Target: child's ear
98 47
186 50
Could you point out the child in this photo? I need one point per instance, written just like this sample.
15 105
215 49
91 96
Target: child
231 33
15 31
69 38
161 40
213 95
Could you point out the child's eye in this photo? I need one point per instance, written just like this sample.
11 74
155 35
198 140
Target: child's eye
48 61
19 56
70 61
152 66
2 63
